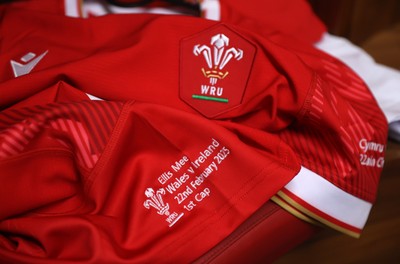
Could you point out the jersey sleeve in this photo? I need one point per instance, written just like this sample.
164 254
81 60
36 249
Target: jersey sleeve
341 140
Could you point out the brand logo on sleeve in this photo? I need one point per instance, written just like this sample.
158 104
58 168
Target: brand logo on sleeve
29 61
215 67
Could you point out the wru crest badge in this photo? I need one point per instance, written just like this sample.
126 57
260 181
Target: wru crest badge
156 201
215 66
218 58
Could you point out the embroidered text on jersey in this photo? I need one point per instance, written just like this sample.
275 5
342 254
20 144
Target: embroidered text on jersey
30 60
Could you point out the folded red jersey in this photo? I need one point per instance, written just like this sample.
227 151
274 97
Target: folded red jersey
196 131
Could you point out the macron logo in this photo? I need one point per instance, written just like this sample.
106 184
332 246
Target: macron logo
30 60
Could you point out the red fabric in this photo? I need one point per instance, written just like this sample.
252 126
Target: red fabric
46 6
268 234
95 165
287 82
293 18
70 184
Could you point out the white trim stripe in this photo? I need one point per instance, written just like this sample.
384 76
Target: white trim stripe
72 8
328 198
211 9
94 98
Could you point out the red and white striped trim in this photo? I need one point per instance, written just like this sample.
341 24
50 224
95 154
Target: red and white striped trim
316 197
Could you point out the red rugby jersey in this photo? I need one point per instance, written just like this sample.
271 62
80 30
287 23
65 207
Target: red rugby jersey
253 81
266 17
271 97
131 182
